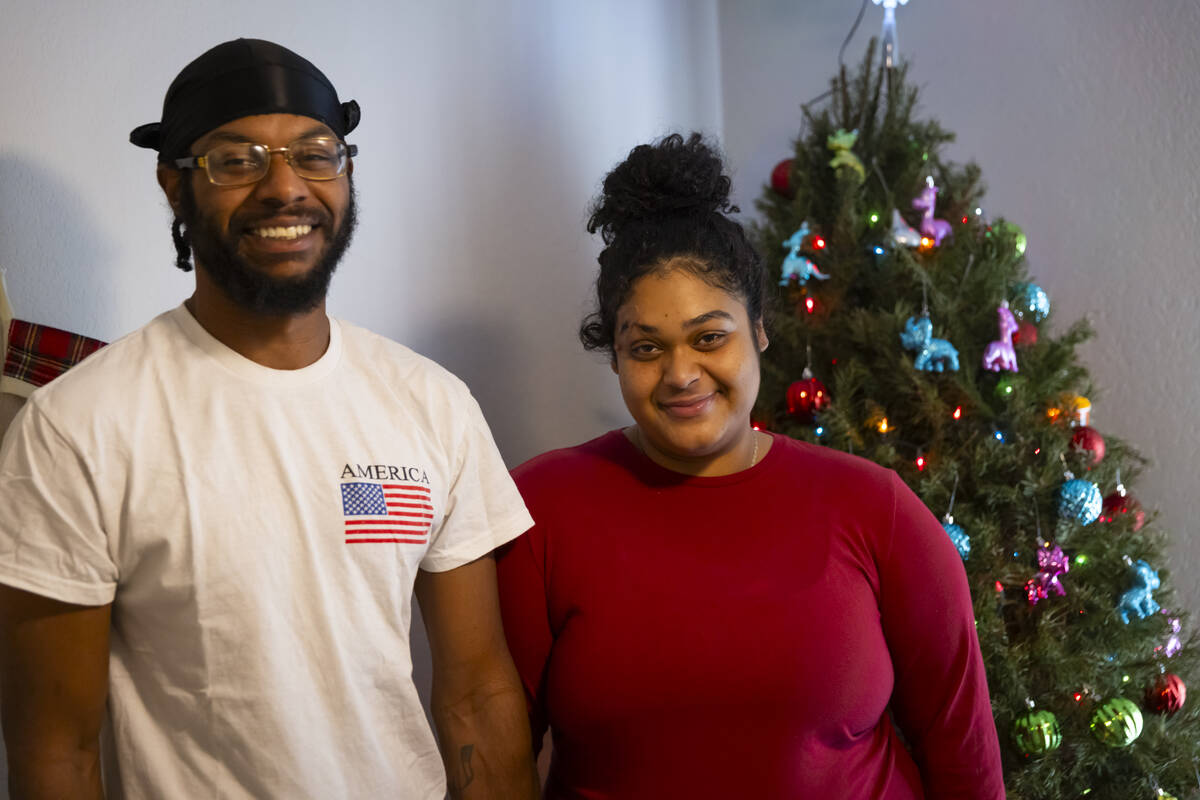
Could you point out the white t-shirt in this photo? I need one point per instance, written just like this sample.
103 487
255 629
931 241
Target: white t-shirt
258 532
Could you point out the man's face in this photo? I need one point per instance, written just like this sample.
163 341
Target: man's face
271 246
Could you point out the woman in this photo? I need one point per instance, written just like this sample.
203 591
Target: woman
705 610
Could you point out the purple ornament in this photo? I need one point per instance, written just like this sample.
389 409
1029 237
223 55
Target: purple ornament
1052 563
1172 645
1000 353
936 229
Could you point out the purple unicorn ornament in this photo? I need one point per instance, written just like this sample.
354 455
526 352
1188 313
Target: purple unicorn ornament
1052 564
1000 353
936 229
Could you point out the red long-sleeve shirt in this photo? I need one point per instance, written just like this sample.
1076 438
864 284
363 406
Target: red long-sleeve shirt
744 636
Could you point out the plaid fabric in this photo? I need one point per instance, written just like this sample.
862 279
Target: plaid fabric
37 354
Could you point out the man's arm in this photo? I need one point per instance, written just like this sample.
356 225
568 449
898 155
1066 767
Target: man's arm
478 702
53 686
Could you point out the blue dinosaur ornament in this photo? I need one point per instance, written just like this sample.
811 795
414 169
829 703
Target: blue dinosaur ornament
797 267
933 355
1138 602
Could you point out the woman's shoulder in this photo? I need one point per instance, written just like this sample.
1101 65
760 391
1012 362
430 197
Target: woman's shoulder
828 465
566 463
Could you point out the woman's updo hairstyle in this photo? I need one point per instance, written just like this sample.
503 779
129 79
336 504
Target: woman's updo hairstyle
668 200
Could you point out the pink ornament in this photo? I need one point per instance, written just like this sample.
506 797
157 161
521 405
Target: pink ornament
1000 353
1052 563
936 229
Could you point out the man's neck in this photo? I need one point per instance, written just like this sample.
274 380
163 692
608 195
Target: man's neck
286 341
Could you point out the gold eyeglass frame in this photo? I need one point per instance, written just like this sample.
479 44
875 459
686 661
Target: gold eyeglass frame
192 162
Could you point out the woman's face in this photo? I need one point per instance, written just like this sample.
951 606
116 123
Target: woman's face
686 354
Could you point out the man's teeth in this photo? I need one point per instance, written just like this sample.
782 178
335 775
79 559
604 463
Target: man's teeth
290 232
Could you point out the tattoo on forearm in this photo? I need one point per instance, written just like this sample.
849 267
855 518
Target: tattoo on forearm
465 774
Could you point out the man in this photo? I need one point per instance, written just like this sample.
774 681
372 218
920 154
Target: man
216 523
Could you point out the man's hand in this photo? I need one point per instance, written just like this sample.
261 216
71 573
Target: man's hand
53 686
478 702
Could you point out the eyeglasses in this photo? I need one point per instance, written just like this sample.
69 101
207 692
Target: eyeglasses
319 158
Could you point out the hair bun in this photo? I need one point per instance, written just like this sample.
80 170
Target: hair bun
671 177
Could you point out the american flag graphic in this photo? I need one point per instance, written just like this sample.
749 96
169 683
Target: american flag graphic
387 512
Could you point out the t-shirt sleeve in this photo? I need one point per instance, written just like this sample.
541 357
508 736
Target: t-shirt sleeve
52 541
483 507
940 700
520 571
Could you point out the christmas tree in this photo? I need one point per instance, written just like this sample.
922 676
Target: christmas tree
909 332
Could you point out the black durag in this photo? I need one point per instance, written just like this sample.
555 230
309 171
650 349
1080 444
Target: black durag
239 79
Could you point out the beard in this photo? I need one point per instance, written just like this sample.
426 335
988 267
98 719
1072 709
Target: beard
216 252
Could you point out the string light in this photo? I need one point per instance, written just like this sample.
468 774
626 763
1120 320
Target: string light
819 243
1078 696
926 243
883 425
819 430
1081 560
920 463
999 586
874 218
998 435
957 412
965 220
810 304
878 250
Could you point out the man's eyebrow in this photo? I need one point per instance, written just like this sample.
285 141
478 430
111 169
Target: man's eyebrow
319 130
230 136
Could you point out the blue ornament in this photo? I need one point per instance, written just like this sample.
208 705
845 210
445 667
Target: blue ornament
1137 601
1080 500
958 535
933 355
1030 301
796 266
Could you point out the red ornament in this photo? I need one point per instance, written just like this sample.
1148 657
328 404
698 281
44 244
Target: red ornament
806 397
1088 439
1120 503
1026 335
1167 694
781 179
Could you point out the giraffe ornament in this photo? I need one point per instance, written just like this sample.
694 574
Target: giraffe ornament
935 229
1000 353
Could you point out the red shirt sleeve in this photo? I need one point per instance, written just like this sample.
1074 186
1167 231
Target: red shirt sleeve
520 572
940 701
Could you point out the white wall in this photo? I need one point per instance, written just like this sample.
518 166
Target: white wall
1083 115
486 129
